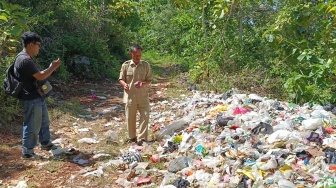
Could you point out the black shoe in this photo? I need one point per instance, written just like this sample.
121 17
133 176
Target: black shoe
140 142
130 140
31 156
48 147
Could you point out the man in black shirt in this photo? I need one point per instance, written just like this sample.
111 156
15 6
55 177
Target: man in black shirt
36 119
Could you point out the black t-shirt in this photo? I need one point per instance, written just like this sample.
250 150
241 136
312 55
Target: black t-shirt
26 68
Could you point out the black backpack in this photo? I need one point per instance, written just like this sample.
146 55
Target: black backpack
11 84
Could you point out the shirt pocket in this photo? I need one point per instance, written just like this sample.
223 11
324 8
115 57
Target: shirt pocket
129 76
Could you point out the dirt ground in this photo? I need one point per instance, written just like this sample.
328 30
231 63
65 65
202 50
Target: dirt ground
64 173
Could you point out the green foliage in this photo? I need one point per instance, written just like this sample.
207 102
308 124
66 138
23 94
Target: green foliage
197 71
97 30
304 35
167 29
271 47
10 106
12 24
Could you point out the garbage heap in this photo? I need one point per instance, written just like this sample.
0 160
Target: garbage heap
241 140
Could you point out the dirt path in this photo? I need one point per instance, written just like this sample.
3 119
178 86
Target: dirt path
68 127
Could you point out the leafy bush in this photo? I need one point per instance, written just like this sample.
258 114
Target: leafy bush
12 24
304 37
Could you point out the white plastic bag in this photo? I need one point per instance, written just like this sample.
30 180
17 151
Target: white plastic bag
312 124
278 135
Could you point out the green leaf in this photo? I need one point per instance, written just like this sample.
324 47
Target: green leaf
4 18
222 14
331 10
302 56
16 30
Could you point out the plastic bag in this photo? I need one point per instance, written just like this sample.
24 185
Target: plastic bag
312 124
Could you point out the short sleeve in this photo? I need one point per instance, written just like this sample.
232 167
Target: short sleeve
29 67
26 67
122 75
149 75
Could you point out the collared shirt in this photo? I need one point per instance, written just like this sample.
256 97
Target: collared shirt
131 73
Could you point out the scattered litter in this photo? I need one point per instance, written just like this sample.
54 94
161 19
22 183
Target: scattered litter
107 110
142 165
112 135
227 140
142 181
117 119
88 141
239 140
21 184
181 183
84 129
108 124
101 97
59 141
131 175
58 151
131 157
79 160
100 155
88 116
93 96
98 173
179 164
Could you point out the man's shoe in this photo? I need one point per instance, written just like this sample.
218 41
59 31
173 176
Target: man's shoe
140 142
31 156
49 147
130 140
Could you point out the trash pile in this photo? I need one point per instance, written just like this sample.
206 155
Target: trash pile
238 140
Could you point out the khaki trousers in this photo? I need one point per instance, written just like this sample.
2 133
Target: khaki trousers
131 112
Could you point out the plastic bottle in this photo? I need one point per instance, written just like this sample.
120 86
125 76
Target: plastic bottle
171 128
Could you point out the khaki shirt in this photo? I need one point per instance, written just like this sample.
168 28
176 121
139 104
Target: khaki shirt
131 73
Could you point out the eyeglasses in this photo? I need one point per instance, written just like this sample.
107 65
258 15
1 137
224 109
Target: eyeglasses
38 44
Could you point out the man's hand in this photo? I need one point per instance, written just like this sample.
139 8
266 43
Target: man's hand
55 64
126 87
42 75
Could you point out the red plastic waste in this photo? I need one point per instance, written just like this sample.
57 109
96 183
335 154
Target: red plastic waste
329 130
155 158
332 167
240 111
142 181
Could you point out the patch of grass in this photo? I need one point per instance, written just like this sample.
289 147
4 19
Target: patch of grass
30 173
4 147
71 106
156 58
246 81
32 185
101 181
65 115
176 92
160 165
53 166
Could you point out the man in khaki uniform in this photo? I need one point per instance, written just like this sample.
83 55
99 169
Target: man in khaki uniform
136 77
